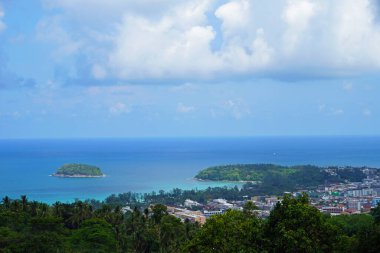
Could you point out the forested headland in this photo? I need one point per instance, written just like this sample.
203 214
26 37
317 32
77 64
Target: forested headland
300 176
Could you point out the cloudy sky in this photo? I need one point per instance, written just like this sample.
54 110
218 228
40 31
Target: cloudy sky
126 68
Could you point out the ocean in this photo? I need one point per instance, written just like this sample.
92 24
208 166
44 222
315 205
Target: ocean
152 164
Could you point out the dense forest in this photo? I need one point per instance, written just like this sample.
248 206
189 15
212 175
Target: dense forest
293 226
301 175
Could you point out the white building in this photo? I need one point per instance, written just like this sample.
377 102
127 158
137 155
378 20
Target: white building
190 203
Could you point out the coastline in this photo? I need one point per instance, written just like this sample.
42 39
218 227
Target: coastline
76 176
225 181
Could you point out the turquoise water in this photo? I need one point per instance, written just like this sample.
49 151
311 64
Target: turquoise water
144 165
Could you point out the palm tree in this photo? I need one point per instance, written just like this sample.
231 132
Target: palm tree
15 205
146 212
104 212
34 208
57 211
6 202
44 209
24 202
82 211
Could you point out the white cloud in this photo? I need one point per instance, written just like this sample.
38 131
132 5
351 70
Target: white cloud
177 40
51 29
118 109
175 52
297 15
336 37
172 47
236 108
357 36
181 36
2 24
181 108
235 16
244 49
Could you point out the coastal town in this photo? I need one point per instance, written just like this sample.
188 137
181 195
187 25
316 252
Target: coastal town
334 199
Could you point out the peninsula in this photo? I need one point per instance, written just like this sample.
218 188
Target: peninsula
78 170
290 176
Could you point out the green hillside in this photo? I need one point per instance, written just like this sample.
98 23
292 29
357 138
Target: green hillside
300 175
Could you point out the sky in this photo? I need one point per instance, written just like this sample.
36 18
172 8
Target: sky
167 68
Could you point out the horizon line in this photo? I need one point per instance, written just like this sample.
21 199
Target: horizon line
193 137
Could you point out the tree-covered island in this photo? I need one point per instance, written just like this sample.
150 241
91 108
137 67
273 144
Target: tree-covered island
78 170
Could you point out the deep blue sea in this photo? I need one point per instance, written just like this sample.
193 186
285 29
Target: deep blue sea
144 165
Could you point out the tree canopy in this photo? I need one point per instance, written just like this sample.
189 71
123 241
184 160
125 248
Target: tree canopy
293 226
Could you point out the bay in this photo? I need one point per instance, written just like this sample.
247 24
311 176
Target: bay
152 164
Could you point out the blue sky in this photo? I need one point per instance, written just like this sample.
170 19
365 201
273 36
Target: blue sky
123 68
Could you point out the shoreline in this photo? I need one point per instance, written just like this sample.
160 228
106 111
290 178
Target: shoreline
76 176
225 181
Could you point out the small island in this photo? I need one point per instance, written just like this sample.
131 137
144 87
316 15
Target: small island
78 170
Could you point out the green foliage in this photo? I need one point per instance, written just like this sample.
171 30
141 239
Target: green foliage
43 234
8 238
231 232
94 236
352 224
174 197
249 208
159 211
275 179
303 174
375 212
171 234
293 226
245 172
351 174
355 232
79 169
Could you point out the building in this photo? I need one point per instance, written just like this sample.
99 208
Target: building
354 204
126 209
210 213
360 192
375 202
354 193
333 210
190 203
185 214
219 204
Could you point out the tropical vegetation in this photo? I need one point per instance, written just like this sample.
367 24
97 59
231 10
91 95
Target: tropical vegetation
300 175
74 169
293 226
